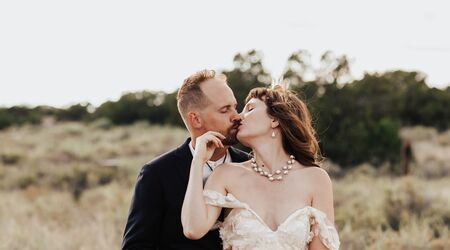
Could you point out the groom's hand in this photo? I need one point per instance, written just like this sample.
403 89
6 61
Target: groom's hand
206 144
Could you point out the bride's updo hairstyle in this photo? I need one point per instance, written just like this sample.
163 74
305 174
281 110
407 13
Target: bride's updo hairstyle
297 134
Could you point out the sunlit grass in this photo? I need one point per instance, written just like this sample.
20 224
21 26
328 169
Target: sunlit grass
69 186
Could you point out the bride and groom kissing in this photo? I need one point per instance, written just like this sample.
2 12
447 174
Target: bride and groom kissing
206 194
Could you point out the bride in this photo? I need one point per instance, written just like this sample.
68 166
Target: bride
280 198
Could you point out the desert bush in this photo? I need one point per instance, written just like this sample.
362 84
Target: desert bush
10 159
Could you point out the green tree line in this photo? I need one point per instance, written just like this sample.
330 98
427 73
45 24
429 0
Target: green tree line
356 120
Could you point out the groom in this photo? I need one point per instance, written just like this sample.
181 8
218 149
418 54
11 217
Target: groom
205 103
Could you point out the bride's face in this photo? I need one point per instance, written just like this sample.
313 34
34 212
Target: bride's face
255 122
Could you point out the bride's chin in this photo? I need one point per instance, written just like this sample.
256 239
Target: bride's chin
242 139
238 136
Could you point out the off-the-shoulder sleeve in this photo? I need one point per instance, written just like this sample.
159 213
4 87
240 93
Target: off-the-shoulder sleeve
326 232
217 199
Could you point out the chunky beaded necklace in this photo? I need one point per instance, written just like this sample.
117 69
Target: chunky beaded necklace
273 176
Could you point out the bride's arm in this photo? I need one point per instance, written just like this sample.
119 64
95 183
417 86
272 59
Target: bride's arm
197 217
322 200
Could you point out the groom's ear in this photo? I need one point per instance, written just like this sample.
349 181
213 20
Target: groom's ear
194 119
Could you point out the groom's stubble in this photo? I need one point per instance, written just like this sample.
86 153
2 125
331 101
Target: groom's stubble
231 135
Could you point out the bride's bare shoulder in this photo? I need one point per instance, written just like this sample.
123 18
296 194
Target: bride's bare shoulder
232 168
317 175
226 172
318 182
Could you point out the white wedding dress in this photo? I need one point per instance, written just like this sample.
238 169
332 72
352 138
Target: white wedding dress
243 229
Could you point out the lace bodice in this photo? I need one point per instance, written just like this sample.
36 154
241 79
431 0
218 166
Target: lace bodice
243 229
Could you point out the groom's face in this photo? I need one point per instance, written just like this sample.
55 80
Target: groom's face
220 114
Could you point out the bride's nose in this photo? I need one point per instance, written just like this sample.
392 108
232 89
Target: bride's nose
241 115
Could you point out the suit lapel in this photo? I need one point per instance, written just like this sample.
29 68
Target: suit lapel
184 159
237 156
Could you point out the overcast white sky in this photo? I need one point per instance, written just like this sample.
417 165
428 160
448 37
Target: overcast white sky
63 52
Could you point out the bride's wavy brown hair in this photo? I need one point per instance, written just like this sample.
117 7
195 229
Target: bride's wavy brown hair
297 133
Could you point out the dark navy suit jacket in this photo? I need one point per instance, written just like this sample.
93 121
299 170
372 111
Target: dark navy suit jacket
154 219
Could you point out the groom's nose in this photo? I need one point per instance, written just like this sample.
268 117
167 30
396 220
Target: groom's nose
236 117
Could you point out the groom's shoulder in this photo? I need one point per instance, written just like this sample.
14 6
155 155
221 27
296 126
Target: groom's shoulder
159 163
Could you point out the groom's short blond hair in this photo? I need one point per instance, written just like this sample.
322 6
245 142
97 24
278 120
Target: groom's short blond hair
190 96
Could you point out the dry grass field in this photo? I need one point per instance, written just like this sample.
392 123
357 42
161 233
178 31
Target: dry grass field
69 186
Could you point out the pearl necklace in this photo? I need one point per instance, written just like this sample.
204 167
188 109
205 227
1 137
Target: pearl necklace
272 176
